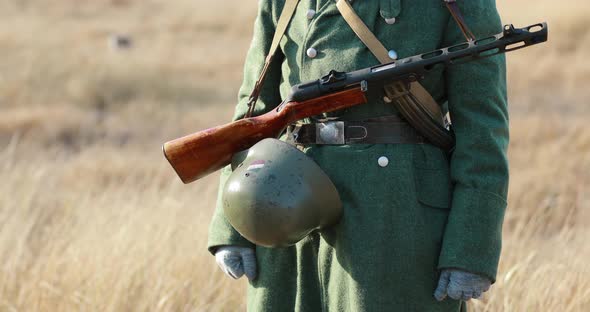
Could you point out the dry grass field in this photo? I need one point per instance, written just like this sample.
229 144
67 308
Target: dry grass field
93 219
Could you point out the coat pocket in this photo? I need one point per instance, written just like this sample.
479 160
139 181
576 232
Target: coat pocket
390 9
433 187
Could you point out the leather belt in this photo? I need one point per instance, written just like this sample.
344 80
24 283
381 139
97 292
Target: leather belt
373 131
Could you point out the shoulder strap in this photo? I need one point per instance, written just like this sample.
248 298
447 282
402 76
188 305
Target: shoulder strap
414 102
281 28
363 32
456 13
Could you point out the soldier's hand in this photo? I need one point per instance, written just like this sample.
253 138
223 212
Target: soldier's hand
236 261
461 285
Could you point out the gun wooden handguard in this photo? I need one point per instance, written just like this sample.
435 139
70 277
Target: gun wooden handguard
197 155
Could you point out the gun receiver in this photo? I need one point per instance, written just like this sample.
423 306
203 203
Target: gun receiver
199 154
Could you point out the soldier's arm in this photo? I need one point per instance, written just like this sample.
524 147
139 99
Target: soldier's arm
479 167
220 230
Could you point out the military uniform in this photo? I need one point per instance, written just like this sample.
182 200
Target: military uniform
409 209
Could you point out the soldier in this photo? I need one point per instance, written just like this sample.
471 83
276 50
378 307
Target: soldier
421 228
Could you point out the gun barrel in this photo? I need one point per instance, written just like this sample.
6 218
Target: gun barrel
416 67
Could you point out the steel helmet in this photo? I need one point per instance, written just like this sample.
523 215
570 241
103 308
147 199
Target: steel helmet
277 195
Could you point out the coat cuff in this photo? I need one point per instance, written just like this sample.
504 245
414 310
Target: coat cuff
221 233
473 235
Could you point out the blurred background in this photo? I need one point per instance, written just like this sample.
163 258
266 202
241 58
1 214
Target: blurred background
93 219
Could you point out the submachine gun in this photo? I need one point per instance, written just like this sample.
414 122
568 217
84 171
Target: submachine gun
199 154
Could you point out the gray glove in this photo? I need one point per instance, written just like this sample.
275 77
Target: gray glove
236 261
461 285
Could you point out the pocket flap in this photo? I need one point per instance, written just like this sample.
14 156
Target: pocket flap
433 187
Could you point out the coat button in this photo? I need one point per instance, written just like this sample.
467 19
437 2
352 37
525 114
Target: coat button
310 14
390 21
311 52
383 161
392 54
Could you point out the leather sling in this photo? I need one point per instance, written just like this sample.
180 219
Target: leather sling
458 17
281 28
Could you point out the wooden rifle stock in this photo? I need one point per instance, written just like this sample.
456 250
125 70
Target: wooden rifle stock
197 155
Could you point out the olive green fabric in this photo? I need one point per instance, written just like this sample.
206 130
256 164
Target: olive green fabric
423 212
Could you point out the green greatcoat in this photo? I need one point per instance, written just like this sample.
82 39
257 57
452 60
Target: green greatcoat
403 223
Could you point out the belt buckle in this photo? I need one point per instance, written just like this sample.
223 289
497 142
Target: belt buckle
330 133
